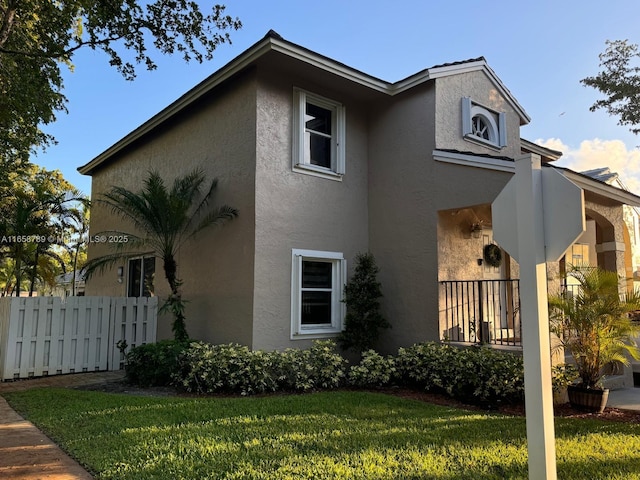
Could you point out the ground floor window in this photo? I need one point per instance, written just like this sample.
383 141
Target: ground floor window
140 278
317 281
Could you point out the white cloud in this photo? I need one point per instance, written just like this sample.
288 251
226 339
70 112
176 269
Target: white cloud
598 153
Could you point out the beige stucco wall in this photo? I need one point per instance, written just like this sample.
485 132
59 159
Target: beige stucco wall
408 188
448 113
296 210
217 266
402 225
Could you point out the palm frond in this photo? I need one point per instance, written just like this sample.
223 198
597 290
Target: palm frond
217 217
105 262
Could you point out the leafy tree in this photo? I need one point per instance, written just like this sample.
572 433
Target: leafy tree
32 221
164 219
37 36
619 81
361 294
76 238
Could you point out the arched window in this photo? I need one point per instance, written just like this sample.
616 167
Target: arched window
483 125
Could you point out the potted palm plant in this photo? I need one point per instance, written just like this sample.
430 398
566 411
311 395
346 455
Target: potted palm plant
592 322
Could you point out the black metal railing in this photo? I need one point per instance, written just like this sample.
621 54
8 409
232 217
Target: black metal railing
481 311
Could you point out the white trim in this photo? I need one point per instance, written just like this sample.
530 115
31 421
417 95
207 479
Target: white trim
495 121
586 183
457 69
467 160
338 119
284 47
338 308
141 287
599 188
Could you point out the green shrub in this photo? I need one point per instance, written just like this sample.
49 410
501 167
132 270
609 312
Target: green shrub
563 375
362 294
374 370
153 364
477 375
423 365
206 368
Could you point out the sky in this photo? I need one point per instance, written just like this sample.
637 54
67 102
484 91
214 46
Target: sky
539 49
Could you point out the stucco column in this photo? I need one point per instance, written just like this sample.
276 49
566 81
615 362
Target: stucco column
611 256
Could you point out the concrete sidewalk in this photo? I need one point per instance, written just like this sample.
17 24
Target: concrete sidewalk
28 454
625 399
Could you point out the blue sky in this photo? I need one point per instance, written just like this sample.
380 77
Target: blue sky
539 49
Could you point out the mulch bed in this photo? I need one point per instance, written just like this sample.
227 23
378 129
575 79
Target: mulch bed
565 410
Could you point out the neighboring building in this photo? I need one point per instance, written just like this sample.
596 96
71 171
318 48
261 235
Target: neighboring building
64 285
631 220
323 162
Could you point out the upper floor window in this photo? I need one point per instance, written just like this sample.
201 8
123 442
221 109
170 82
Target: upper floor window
318 135
484 126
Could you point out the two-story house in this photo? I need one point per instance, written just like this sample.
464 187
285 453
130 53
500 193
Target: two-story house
324 161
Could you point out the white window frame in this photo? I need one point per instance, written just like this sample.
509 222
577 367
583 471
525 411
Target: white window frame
141 288
338 308
299 162
495 121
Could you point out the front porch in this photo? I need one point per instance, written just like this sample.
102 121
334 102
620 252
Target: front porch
481 312
479 296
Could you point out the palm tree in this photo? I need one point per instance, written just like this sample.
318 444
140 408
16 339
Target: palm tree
594 324
164 219
32 220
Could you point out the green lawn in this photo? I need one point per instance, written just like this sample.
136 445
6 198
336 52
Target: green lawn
337 435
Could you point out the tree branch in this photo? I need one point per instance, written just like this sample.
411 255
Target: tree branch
8 19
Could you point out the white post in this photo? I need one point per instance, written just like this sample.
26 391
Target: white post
535 319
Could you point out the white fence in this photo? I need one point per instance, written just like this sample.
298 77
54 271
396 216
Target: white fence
49 336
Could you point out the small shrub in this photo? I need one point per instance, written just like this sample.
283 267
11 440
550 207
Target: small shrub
487 376
362 296
293 370
153 364
563 375
424 365
206 368
476 375
374 370
329 367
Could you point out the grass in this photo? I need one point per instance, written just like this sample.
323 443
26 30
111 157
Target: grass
330 435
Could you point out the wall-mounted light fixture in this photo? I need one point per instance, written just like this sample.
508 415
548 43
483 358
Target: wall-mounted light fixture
120 274
476 230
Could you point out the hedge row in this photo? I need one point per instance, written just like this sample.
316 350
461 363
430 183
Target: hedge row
476 375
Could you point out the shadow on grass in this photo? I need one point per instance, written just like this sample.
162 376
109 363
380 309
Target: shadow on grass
355 435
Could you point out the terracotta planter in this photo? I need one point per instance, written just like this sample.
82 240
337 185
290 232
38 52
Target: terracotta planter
588 399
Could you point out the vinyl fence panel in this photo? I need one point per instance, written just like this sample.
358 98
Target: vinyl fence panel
48 335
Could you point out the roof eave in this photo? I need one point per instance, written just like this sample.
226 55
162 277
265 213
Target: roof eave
603 189
540 150
273 42
267 44
456 69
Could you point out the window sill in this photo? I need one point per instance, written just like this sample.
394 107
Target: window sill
316 334
483 142
317 172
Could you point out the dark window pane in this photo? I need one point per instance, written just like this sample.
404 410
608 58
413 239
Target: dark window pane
149 272
318 119
316 274
320 150
135 270
316 308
